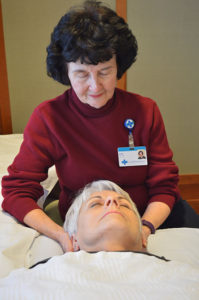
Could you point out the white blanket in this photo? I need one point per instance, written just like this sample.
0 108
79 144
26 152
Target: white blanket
104 275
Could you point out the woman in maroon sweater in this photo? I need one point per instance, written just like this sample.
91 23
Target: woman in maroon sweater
80 131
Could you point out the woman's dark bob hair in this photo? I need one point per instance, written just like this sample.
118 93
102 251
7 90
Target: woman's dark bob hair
91 33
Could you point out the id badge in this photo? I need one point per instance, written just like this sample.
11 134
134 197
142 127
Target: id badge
136 156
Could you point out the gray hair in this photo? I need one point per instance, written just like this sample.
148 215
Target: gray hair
71 218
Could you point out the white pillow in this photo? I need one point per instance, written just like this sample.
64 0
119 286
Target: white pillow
10 145
15 242
179 244
21 246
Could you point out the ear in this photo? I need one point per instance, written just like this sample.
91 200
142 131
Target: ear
75 243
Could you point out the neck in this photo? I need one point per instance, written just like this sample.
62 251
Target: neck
113 247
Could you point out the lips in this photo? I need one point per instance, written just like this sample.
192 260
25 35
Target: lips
96 96
112 212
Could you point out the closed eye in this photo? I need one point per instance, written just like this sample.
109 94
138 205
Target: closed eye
104 73
124 202
82 75
93 204
125 205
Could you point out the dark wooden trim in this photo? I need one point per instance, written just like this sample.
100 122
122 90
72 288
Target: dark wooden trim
121 9
189 179
5 114
189 189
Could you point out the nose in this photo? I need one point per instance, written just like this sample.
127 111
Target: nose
94 84
111 201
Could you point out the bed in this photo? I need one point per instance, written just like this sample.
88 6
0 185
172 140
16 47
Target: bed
83 275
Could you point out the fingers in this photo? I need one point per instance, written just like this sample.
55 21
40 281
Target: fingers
66 243
68 247
145 235
144 241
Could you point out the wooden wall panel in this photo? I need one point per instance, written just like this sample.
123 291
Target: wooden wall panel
121 9
189 189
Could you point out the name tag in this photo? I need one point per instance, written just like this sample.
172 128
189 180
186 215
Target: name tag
132 156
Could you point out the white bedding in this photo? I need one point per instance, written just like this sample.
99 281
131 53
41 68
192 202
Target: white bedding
9 147
97 276
21 246
104 275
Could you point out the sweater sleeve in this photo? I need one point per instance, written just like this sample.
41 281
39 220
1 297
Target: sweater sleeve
162 175
21 188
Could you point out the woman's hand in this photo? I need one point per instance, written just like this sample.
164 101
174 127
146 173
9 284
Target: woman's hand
156 213
38 220
65 242
145 234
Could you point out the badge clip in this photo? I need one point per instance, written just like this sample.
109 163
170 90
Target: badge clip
129 124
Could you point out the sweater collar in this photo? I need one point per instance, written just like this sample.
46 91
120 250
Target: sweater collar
89 111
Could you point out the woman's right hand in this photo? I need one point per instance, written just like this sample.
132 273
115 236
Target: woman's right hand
65 242
38 220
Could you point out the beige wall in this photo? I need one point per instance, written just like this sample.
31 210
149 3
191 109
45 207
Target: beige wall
167 70
27 28
168 37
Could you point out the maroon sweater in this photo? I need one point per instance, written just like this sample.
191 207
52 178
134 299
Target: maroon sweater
82 142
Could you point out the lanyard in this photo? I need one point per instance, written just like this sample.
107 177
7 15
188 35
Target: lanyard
129 124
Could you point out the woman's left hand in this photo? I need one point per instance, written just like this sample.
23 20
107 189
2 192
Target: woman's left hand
145 234
156 213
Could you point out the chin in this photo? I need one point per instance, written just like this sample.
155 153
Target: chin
96 104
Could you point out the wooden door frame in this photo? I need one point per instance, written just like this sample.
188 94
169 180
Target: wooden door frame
121 9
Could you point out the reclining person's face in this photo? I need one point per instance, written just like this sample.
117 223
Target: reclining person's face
107 222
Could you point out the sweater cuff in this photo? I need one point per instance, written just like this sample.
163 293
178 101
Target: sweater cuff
20 208
165 198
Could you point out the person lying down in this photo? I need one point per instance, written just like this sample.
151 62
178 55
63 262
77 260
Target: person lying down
103 217
108 261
